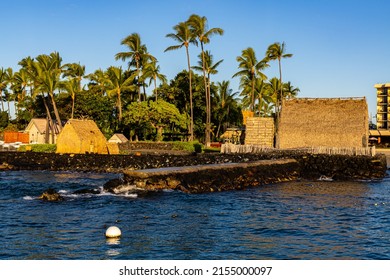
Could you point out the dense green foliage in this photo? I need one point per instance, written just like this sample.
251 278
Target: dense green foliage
191 104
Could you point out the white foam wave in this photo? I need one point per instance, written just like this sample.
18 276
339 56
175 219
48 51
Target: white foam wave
27 197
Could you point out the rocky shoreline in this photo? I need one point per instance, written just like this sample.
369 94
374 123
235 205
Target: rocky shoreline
311 166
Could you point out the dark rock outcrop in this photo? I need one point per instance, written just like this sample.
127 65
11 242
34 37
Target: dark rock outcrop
51 195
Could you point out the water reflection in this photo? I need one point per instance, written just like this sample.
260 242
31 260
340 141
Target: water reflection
113 249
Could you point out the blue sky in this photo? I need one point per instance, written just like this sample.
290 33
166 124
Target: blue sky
340 48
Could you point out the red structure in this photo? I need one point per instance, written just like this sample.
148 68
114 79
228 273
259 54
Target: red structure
14 136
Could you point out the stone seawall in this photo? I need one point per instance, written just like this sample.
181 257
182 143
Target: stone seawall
214 177
311 166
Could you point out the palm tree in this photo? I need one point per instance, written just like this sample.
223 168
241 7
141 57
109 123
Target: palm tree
137 54
276 51
273 90
116 83
10 76
290 91
185 37
225 99
48 68
98 78
199 27
20 83
3 85
152 71
75 72
210 66
250 71
72 87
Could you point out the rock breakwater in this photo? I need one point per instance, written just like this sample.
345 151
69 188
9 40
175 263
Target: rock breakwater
311 166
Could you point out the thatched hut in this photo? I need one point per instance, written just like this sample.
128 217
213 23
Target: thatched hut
324 122
118 138
81 136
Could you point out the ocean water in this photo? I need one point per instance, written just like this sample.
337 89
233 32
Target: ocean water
296 220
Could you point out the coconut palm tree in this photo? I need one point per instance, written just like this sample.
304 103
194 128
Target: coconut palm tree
225 99
137 54
185 37
116 82
71 86
277 51
21 81
10 76
75 73
3 85
48 68
98 79
290 91
210 66
250 72
152 71
199 27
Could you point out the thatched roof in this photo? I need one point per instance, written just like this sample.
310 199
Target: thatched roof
81 136
332 122
118 137
85 129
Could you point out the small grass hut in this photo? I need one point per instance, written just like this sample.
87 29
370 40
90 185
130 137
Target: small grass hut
81 137
323 122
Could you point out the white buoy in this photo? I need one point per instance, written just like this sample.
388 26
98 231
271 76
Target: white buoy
113 232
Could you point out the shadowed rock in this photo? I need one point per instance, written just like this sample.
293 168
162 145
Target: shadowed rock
51 195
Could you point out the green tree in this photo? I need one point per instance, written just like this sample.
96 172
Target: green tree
185 37
116 84
93 105
163 114
250 71
136 116
225 101
98 81
289 91
199 28
177 93
3 85
48 68
152 71
138 55
21 81
277 51
72 87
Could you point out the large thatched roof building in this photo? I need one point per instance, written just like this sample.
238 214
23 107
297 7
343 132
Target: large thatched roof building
324 122
81 136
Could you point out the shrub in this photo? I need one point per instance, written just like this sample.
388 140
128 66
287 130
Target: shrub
39 148
194 146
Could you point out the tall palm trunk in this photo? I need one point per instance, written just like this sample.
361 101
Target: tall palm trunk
138 81
49 123
2 102
56 111
119 105
155 86
191 106
207 134
278 105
